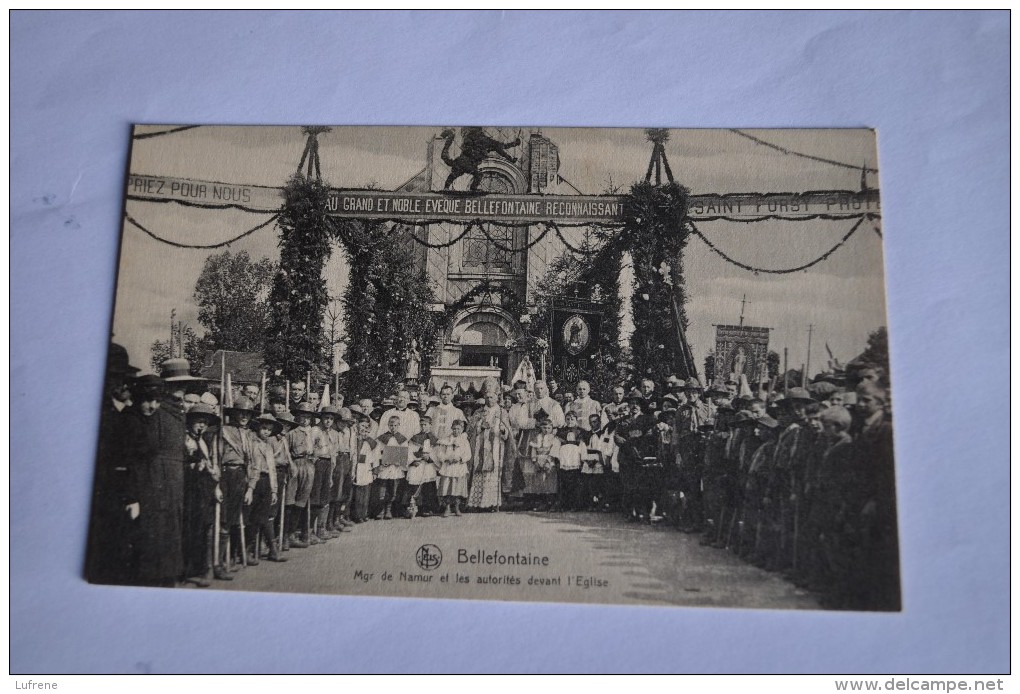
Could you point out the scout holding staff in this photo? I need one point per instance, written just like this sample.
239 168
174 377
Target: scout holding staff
304 441
322 480
342 440
235 451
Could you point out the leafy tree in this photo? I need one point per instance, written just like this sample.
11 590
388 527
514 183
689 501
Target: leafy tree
231 294
772 363
194 350
877 351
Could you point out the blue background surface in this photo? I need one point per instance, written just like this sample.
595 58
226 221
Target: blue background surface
936 87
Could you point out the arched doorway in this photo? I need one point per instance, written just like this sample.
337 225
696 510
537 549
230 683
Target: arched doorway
478 337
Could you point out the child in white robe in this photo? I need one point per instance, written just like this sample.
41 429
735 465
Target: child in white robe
453 454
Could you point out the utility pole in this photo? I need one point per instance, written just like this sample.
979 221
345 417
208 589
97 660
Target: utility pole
786 370
807 366
173 331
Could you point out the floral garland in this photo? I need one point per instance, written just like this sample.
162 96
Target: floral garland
655 232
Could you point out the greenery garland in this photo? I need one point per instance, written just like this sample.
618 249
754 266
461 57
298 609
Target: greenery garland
655 231
385 308
385 303
298 298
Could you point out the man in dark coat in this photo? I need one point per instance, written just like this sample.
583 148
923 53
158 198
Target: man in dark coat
157 480
110 553
873 536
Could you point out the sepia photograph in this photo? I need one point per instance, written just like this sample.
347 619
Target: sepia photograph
542 364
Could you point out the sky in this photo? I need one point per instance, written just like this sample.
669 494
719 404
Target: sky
842 297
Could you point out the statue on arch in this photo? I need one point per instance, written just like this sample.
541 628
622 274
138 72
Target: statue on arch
475 146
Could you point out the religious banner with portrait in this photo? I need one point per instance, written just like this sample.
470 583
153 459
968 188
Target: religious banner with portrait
574 338
741 349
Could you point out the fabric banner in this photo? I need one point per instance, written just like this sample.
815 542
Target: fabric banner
575 338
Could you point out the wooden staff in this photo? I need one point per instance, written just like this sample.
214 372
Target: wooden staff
219 445
287 396
262 394
283 498
244 549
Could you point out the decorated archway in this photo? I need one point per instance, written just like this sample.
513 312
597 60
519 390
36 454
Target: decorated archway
392 314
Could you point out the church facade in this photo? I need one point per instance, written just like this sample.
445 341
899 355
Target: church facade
486 280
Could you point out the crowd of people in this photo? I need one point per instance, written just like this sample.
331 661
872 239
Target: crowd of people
195 482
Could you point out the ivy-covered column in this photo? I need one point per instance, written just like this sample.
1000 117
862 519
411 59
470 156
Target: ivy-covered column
655 232
298 298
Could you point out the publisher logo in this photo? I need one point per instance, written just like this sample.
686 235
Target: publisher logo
429 557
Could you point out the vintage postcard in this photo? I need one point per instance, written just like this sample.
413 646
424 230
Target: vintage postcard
614 366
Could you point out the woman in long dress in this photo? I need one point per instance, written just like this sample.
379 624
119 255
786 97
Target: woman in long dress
489 432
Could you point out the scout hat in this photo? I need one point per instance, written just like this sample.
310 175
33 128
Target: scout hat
303 408
346 415
693 384
329 410
286 420
358 412
209 399
177 370
266 418
767 422
742 401
717 388
635 394
202 410
670 398
742 419
241 404
798 395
